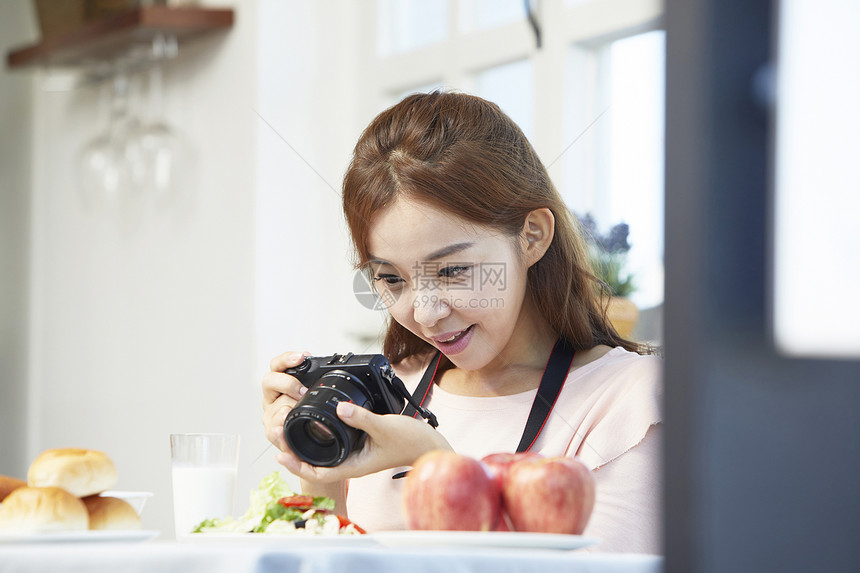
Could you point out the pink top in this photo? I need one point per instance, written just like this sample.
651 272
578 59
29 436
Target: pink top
607 414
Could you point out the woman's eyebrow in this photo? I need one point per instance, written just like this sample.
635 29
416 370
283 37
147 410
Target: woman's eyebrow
449 250
378 261
441 253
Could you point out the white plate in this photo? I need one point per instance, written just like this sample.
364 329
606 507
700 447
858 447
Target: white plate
279 539
119 536
494 539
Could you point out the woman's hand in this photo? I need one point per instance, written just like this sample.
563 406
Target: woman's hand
392 441
280 394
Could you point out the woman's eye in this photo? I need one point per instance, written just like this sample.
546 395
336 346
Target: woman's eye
388 281
454 271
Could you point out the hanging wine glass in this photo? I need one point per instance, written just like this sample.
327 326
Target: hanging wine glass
102 168
98 174
153 146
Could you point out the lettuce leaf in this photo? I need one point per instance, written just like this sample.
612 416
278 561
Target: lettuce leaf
215 524
324 503
264 510
271 488
275 511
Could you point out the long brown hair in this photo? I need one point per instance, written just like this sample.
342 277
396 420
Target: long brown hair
462 154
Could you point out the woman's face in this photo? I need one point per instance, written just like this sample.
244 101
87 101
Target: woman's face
454 284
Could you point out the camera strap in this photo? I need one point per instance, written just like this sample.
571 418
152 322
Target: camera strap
423 390
554 375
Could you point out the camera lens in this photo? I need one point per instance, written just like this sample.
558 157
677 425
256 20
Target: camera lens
317 432
312 429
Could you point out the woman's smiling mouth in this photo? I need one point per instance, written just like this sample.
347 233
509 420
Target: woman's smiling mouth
453 343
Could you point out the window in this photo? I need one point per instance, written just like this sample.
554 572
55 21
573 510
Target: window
406 25
613 165
815 178
511 87
486 14
590 99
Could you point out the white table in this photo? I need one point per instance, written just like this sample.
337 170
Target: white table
169 556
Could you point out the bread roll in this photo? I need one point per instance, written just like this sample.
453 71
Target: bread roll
8 485
80 472
111 513
42 509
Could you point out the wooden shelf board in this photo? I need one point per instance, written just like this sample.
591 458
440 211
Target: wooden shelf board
112 36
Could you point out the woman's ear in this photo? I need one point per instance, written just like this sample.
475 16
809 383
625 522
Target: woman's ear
537 234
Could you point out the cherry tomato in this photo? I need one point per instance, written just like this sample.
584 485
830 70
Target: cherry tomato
297 501
344 522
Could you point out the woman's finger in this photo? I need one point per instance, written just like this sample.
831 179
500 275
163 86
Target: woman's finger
276 384
287 360
359 418
308 472
274 415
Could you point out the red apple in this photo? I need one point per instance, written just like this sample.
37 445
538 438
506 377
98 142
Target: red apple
447 491
499 465
549 495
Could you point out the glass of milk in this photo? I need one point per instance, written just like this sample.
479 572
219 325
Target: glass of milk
204 477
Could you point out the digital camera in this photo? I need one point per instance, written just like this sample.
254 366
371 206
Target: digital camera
312 429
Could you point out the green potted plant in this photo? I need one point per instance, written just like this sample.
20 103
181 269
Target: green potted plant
608 260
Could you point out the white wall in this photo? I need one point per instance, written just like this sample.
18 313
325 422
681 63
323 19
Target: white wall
308 121
16 115
142 313
151 317
312 110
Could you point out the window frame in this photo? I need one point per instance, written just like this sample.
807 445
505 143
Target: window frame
588 26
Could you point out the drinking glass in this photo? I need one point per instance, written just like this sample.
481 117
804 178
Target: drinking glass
204 468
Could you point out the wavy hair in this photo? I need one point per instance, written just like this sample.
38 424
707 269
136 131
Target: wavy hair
462 154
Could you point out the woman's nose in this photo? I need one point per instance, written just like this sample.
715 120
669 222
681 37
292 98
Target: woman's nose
428 309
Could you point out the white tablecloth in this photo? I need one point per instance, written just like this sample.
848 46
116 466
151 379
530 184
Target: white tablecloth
165 557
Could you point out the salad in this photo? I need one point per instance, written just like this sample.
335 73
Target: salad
276 510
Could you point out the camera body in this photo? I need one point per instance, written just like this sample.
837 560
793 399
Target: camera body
312 429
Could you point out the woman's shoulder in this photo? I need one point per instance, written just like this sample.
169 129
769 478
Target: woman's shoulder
627 375
619 397
617 387
617 361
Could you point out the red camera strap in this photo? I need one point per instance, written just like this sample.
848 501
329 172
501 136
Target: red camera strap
554 375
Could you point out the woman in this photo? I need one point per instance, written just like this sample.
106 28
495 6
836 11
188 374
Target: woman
479 263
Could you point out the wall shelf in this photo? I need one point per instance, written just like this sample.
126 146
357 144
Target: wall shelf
114 36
